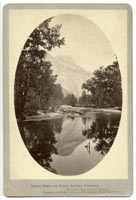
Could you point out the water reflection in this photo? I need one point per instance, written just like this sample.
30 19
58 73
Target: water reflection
59 144
39 138
103 132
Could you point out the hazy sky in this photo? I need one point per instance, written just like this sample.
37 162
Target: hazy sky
85 42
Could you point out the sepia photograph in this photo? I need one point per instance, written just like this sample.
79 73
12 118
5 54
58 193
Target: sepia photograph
68 102
68 94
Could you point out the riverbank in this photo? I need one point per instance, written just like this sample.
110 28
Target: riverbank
110 110
44 117
73 112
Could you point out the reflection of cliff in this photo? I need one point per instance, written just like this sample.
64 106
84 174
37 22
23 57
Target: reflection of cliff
51 142
68 148
39 139
103 132
71 135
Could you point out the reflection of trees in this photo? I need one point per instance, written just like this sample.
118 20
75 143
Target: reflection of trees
84 120
57 124
39 138
103 132
71 117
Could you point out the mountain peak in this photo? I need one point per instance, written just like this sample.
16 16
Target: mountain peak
70 75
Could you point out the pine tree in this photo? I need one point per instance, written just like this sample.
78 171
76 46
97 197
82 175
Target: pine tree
34 81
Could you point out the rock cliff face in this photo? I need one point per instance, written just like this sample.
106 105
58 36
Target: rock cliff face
71 135
70 76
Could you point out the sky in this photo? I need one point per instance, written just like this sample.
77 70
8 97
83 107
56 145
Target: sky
85 43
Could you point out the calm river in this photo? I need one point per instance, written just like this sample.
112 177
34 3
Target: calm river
70 145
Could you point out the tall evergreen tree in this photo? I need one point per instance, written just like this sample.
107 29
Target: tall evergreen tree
34 74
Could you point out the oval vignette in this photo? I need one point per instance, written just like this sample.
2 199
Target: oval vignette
68 95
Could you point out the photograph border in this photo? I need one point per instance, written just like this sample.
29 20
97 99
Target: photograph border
19 187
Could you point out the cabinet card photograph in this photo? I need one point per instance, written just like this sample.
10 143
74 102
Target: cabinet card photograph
68 100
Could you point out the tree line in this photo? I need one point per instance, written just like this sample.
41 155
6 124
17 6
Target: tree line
35 85
103 89
34 81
